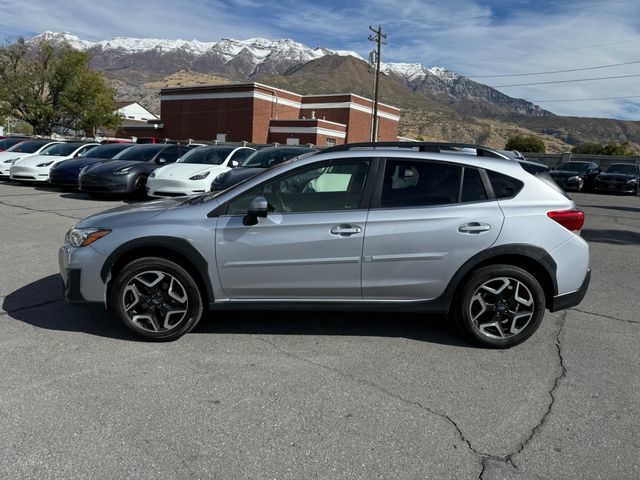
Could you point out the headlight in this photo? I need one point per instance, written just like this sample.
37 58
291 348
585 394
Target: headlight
122 171
219 180
573 179
152 174
81 237
632 182
200 176
11 160
45 164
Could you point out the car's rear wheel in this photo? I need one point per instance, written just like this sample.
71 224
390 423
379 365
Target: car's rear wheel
157 299
499 306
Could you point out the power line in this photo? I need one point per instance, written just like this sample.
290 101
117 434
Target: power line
553 71
566 81
584 99
544 52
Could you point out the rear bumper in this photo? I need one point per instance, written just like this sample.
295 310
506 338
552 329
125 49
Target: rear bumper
571 299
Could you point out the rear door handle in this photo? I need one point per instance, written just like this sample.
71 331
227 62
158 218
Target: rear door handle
474 228
346 230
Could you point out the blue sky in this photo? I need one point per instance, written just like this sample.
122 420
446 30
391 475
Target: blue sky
472 37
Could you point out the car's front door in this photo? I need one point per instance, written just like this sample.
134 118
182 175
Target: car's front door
310 244
425 226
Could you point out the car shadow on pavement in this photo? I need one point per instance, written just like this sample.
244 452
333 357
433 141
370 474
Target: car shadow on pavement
42 305
613 237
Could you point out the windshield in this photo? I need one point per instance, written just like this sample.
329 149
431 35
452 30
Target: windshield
139 153
627 168
105 151
573 167
269 157
28 147
10 142
61 149
209 156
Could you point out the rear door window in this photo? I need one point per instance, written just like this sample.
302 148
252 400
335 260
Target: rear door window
412 183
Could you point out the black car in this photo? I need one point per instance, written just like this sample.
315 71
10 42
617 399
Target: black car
576 176
65 174
257 163
620 178
127 172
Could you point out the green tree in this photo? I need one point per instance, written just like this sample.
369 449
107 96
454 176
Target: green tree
46 85
525 143
611 148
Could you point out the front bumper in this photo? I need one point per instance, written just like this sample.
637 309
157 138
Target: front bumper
62 178
571 299
106 184
80 274
22 173
615 188
171 187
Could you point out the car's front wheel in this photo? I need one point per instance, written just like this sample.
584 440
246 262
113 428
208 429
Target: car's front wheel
499 306
156 298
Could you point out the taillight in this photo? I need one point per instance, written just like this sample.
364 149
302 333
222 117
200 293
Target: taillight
570 219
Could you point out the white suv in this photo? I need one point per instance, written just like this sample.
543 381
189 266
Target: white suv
366 226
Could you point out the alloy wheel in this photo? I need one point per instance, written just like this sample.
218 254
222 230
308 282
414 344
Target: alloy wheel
155 301
501 307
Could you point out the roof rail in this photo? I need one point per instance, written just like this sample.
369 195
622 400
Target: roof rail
435 147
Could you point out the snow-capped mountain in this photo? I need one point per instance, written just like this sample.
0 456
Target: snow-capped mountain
416 71
136 61
259 48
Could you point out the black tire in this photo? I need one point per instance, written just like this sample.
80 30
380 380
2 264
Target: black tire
156 327
498 311
140 187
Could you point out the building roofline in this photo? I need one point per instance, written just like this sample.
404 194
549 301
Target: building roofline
269 87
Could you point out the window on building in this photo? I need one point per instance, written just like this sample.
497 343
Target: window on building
221 137
331 142
293 141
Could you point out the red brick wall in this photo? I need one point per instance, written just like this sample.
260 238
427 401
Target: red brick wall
204 119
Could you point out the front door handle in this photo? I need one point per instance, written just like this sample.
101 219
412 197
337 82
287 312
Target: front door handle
474 228
346 230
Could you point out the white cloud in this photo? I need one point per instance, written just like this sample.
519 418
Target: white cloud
468 36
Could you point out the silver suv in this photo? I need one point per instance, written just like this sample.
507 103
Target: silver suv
469 233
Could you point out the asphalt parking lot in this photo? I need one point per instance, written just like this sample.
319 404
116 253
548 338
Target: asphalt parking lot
312 395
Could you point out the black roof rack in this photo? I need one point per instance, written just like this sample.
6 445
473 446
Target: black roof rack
435 147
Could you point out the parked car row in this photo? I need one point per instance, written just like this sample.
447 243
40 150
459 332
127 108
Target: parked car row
587 176
157 170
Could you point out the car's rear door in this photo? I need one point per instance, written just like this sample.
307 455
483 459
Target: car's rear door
310 244
426 220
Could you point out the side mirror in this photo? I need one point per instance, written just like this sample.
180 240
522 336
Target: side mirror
161 160
258 208
234 163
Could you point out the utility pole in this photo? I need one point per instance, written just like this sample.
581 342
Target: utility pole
379 39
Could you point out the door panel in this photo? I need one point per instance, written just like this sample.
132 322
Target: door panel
412 253
292 256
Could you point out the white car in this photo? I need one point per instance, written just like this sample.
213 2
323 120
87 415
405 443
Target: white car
35 168
19 151
194 171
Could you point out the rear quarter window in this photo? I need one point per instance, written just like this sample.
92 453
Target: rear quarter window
504 186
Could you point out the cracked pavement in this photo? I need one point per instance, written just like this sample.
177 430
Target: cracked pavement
312 395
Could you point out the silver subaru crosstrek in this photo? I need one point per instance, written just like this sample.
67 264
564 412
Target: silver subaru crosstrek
490 241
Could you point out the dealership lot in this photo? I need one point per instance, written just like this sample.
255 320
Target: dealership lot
312 395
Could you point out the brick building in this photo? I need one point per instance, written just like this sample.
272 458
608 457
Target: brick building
258 113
